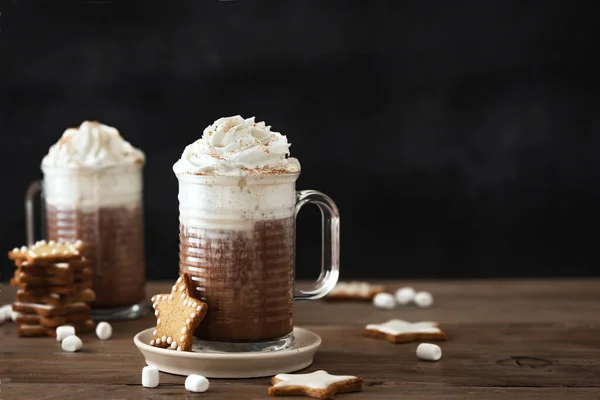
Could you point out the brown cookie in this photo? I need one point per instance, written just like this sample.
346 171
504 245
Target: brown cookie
350 291
44 252
25 330
52 322
178 314
48 310
41 279
80 327
399 331
318 384
57 289
54 268
34 281
85 296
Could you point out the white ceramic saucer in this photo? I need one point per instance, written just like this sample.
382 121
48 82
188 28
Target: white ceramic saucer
231 365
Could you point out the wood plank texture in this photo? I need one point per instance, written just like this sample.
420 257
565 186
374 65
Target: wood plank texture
508 339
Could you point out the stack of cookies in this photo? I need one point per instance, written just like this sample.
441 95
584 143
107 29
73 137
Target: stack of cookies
54 282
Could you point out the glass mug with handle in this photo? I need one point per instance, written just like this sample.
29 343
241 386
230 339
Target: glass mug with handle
237 243
238 235
103 207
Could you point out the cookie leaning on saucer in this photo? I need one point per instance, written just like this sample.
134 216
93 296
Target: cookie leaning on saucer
178 314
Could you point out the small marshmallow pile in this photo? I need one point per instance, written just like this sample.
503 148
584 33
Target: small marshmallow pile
403 296
65 334
71 343
193 383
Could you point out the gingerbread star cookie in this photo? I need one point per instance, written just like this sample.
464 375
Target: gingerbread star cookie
399 331
354 291
318 384
43 251
178 314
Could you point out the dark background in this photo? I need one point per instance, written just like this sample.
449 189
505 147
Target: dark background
459 139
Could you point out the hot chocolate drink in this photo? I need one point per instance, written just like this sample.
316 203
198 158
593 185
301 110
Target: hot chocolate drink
114 243
93 192
247 276
237 222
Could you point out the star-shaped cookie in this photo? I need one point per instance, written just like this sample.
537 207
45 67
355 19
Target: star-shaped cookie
178 314
318 384
399 331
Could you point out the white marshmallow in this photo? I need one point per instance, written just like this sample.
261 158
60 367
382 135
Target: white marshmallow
429 352
423 299
6 312
14 315
150 378
384 300
63 332
72 344
196 383
405 295
103 330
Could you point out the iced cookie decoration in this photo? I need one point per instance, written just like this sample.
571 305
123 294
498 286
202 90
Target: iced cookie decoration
47 251
354 291
178 314
43 251
318 384
399 331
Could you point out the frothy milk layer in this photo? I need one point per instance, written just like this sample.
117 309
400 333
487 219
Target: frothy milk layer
235 203
92 145
234 146
88 190
92 166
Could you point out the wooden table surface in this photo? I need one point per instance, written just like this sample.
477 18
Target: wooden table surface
527 339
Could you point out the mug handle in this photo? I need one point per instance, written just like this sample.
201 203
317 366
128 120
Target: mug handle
33 190
330 247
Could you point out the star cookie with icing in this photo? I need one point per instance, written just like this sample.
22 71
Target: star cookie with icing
399 331
178 314
318 384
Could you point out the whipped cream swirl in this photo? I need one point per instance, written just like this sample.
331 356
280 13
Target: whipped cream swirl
237 146
92 145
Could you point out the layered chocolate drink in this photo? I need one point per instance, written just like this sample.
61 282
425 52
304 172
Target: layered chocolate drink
237 221
93 192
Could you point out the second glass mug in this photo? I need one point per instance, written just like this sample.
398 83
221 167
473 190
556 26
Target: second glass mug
104 209
237 243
